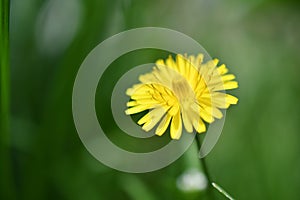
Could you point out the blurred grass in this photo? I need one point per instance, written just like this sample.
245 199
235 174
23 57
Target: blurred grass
257 156
7 188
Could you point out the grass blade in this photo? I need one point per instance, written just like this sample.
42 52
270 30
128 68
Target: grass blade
6 183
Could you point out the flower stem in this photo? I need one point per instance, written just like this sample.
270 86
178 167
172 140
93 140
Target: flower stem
6 183
205 169
222 191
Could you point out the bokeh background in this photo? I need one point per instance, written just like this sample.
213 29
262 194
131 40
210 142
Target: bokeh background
258 154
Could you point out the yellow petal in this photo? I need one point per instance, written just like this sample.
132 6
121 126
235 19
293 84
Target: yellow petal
141 96
186 121
226 86
137 109
162 127
207 69
216 61
205 101
231 99
192 59
149 101
217 113
230 85
173 110
139 89
228 77
163 72
180 63
176 126
131 103
194 76
206 115
131 91
161 77
152 118
160 62
147 78
199 60
170 63
220 103
204 111
156 92
199 125
222 69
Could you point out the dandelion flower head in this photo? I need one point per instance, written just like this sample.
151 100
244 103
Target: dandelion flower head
182 92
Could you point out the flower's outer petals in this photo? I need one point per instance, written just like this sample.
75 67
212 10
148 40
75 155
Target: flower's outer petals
231 85
162 127
162 76
228 77
159 92
140 89
176 126
231 99
131 103
152 118
160 62
188 67
216 80
205 112
220 103
199 60
137 109
201 86
217 113
134 89
207 69
191 60
222 69
186 121
147 101
199 125
207 101
170 63
145 118
180 61
194 77
226 86
222 100
147 78
207 82
162 72
174 109
141 97
193 72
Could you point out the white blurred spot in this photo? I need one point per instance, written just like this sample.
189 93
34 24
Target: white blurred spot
57 24
192 180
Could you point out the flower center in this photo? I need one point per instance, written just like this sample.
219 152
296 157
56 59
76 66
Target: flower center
182 89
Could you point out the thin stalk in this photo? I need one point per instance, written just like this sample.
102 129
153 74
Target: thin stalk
205 170
222 191
211 184
6 183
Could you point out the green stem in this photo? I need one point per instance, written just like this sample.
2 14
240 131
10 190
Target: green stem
211 184
6 183
222 191
205 169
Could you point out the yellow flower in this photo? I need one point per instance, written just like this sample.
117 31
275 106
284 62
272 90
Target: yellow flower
184 90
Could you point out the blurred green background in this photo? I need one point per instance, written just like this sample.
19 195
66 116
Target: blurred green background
257 156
